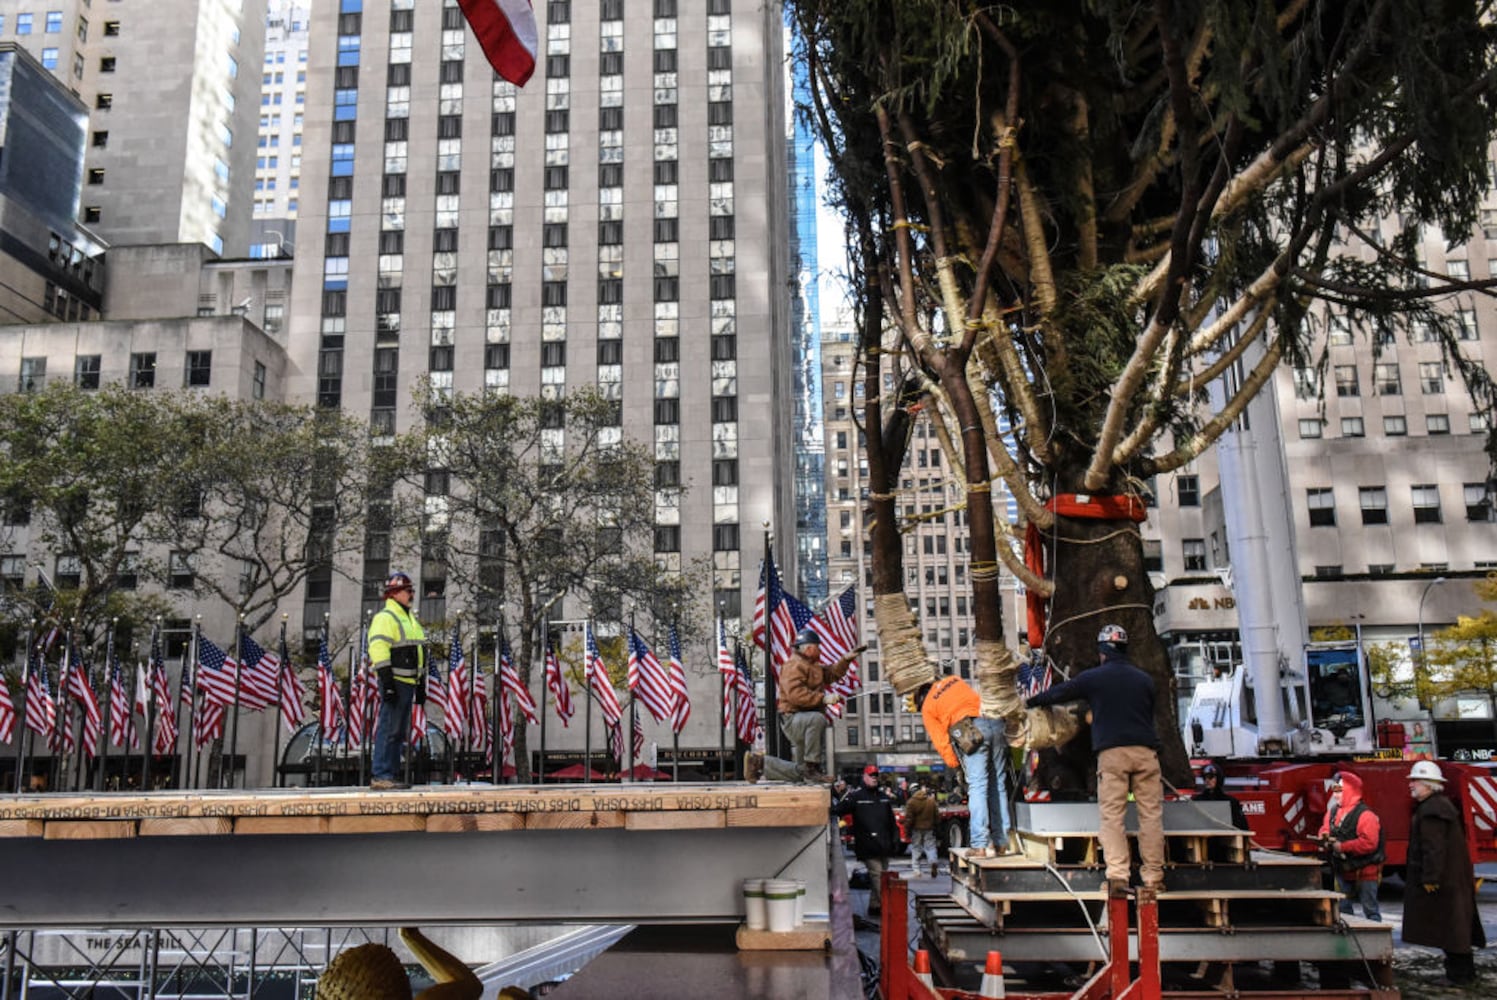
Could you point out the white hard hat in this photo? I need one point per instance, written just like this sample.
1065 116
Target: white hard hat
1426 770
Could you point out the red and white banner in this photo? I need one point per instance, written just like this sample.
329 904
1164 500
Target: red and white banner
507 34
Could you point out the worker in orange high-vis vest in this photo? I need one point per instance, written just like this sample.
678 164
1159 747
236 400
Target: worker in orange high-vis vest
951 710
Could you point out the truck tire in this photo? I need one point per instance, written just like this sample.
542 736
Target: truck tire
954 833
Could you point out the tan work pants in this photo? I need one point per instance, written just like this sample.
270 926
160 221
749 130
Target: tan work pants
1119 771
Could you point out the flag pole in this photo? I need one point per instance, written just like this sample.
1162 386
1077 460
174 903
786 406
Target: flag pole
234 719
772 735
366 751
587 741
321 736
280 681
496 737
633 713
724 706
100 775
149 743
355 683
540 771
452 749
675 732
72 664
347 701
189 688
25 687
179 776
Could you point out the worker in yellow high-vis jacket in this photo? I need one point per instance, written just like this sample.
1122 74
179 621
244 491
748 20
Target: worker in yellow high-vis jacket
397 655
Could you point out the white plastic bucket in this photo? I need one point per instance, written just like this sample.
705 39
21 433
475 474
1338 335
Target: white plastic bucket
780 895
754 913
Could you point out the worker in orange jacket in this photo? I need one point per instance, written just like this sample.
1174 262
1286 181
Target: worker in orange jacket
951 702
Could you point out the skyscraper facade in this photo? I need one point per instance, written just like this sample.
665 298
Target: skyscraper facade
278 147
619 222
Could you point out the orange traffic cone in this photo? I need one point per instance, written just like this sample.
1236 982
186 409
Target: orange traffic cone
992 987
922 968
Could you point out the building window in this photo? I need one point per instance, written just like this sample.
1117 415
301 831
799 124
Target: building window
725 538
1385 379
275 315
1478 501
1468 330
1426 503
92 213
1322 504
1436 423
180 574
106 64
49 58
1311 428
142 370
199 368
1353 427
1374 500
257 383
1328 571
1194 552
1431 377
1395 425
101 139
1478 423
1346 381
12 572
1187 488
1379 569
86 371
33 374
23 24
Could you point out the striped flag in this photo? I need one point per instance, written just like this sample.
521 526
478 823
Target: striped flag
774 624
616 740
838 627
747 718
330 717
41 710
215 675
596 672
478 716
509 679
680 696
647 679
82 692
63 740
259 676
7 712
557 685
1034 677
363 697
291 693
122 730
727 669
506 32
142 703
506 735
186 697
455 693
166 722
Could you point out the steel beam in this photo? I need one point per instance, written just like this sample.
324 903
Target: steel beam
1017 880
593 876
1060 819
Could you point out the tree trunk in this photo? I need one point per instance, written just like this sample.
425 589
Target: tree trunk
1100 580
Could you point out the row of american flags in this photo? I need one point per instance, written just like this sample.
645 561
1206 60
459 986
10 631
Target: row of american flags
210 685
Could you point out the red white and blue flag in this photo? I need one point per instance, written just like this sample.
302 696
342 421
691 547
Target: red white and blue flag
482 738
556 683
506 735
727 670
680 696
647 679
215 675
122 730
290 691
363 697
455 704
746 718
41 710
259 676
7 712
838 627
509 680
82 690
507 33
63 740
774 622
165 740
598 681
330 715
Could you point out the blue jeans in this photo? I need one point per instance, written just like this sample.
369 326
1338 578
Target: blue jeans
391 729
1364 892
987 798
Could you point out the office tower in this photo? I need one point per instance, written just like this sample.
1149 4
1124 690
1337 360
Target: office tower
620 222
278 152
172 117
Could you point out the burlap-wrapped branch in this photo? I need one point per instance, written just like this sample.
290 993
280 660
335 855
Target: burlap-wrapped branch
998 682
901 650
1051 726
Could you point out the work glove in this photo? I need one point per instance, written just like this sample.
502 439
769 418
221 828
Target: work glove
831 698
1431 887
386 685
421 691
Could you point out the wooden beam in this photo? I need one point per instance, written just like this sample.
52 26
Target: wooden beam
185 827
90 830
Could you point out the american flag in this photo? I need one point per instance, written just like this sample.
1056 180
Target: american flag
1034 677
507 34
330 717
838 627
774 624
639 738
166 723
727 670
596 672
647 679
436 694
142 704
557 685
41 710
63 740
363 696
215 675
478 715
747 718
290 691
455 704
680 696
799 616
259 676
121 720
82 692
506 735
7 712
616 740
509 679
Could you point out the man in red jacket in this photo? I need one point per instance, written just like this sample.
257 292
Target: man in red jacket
1354 836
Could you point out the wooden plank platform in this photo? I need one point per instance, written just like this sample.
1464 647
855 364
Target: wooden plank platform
432 809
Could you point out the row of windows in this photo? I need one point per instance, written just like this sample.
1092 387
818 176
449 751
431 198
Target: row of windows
1394 425
197 372
52 25
1373 500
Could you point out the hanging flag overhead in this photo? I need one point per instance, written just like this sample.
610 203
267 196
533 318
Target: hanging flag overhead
596 672
680 696
647 679
507 33
557 685
509 678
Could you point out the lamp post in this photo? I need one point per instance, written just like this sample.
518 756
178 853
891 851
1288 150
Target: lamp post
1422 596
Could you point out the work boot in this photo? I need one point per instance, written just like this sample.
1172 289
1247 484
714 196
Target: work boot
753 767
1118 888
811 773
387 785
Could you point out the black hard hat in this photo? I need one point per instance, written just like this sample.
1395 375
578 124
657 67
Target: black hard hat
807 637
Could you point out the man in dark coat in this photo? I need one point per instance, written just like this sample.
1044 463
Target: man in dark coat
874 834
1439 910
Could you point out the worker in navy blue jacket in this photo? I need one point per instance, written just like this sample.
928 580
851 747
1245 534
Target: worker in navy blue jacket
1126 743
